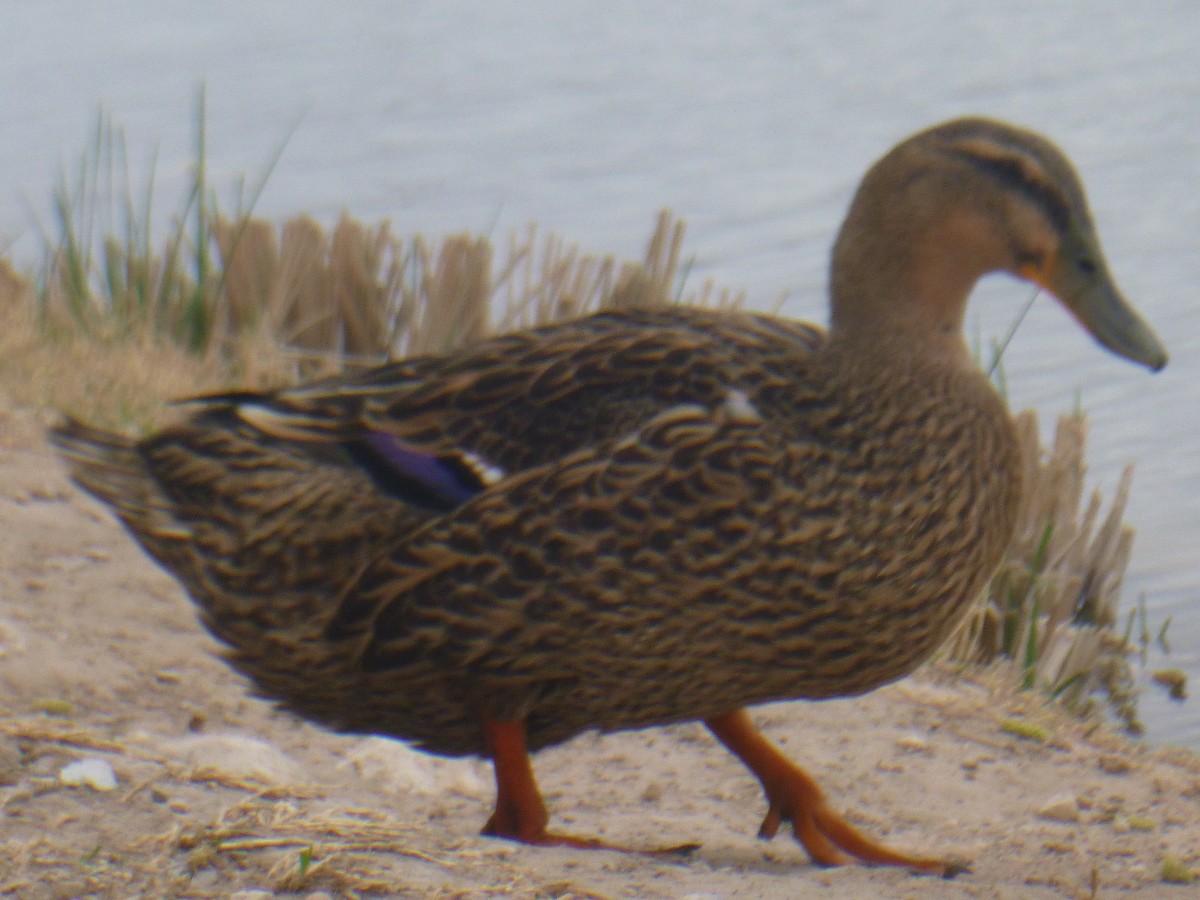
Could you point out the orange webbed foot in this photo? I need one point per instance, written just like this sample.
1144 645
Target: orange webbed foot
794 797
520 813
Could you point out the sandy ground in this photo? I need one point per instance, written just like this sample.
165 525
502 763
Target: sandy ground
101 658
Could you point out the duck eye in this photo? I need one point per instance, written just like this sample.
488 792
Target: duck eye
1086 265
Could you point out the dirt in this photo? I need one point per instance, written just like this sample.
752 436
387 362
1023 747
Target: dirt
101 658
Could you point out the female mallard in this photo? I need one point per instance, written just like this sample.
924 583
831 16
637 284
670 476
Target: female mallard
639 517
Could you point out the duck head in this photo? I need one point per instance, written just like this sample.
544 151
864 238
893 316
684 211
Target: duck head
954 203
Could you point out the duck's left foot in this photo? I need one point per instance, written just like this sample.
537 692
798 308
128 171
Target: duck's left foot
520 813
794 797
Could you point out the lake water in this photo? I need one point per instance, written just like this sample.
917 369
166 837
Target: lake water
753 121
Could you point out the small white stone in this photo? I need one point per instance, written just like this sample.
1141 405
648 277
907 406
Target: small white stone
1060 808
94 773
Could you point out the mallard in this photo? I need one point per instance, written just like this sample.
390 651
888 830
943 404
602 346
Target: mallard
640 517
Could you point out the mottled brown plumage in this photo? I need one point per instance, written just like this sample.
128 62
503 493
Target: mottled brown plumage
639 517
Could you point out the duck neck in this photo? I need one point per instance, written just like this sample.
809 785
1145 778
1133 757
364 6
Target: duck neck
901 283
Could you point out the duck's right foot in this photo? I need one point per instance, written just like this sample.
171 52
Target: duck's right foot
793 796
520 813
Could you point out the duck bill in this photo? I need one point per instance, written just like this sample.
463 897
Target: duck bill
1093 299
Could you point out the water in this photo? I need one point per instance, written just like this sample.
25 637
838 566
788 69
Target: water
754 123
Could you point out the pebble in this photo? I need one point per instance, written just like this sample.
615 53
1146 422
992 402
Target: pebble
1061 808
91 772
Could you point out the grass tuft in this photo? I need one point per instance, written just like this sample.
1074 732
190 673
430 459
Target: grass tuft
1053 604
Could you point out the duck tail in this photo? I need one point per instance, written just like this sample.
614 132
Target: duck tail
269 637
110 467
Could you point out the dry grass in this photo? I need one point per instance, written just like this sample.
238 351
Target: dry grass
122 383
346 851
358 292
362 293
293 839
1053 604
293 301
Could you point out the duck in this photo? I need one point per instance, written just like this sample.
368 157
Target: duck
642 516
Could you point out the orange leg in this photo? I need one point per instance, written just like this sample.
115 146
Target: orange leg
794 797
520 813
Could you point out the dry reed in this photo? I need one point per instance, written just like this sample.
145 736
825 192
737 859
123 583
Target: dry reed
361 293
364 294
287 302
1052 605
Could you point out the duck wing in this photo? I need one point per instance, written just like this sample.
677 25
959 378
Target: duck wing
435 431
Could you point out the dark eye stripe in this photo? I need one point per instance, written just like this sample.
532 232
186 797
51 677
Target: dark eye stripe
1010 172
